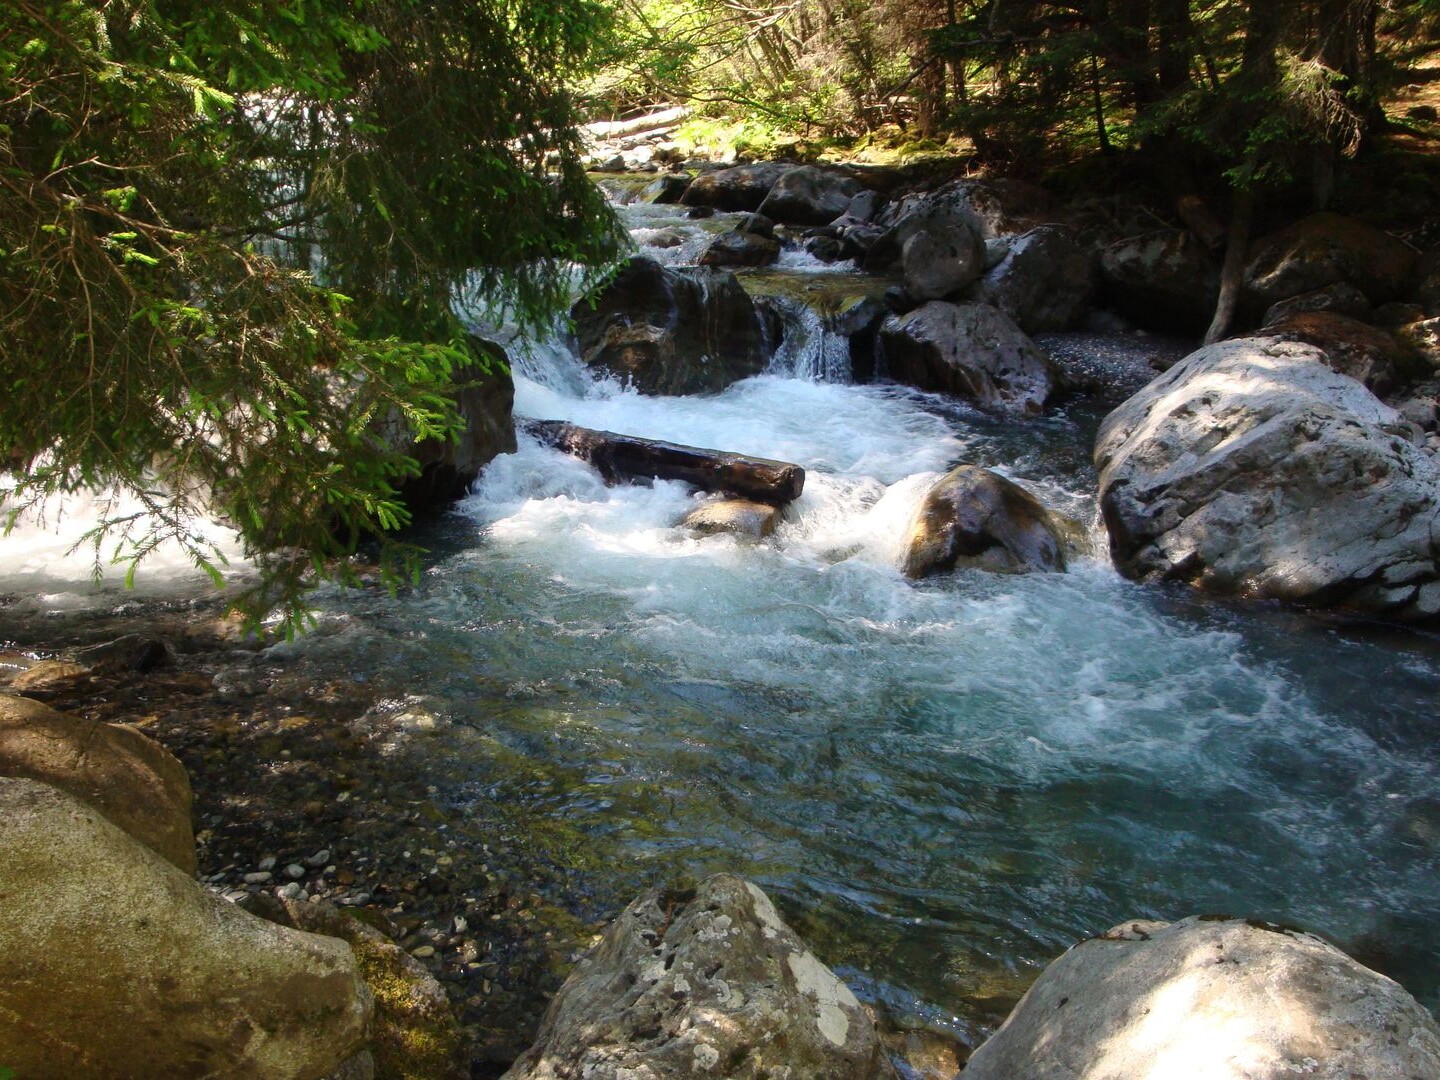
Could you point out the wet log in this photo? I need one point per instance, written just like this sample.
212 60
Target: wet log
627 457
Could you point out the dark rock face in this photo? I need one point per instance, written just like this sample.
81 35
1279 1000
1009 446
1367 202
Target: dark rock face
1324 249
486 401
1342 298
1251 468
712 983
1165 280
742 188
1427 283
1044 280
1228 999
973 517
971 351
671 331
808 195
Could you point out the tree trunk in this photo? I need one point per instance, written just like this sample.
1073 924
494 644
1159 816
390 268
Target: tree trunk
1233 272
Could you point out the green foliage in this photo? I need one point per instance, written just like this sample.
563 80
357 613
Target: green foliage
229 239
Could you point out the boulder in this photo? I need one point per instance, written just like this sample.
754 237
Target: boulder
413 1031
970 351
672 331
741 517
809 195
704 983
47 676
1324 249
1165 280
982 202
1427 283
939 249
118 965
485 397
1210 997
741 247
743 187
1365 353
1342 298
973 517
1251 468
131 779
1043 281
669 188
129 652
1422 339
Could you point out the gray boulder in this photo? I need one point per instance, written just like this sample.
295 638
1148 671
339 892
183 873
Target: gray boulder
127 776
1165 280
709 983
669 188
740 517
751 243
117 964
809 195
743 187
975 518
1214 998
1044 280
938 248
1324 249
673 331
971 351
1251 468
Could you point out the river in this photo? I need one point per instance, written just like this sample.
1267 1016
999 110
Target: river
944 784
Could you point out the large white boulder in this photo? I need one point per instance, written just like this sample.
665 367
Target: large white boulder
1210 999
1251 468
115 964
712 984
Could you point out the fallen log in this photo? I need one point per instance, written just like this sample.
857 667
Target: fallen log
628 457
614 129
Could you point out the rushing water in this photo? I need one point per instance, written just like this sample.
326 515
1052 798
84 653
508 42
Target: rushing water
945 784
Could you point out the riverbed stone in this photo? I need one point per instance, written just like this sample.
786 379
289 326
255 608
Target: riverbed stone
119 965
975 518
1252 468
742 187
1342 298
1210 997
1164 280
1324 249
740 517
127 776
709 982
740 247
668 189
485 397
809 195
1043 281
672 331
971 351
413 1033
1372 356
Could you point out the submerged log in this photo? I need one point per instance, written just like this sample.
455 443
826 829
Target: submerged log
627 457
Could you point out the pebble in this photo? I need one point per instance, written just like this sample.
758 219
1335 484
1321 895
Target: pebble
259 877
319 859
267 863
295 871
423 952
291 891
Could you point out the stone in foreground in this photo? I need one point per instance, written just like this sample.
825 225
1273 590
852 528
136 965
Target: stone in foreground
1210 999
740 517
127 776
1252 469
974 518
705 984
118 965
